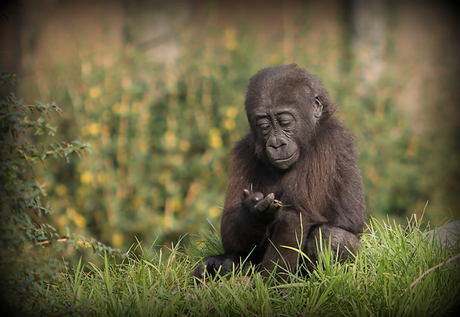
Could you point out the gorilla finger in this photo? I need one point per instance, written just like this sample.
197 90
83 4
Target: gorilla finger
246 193
250 202
257 197
199 271
266 202
275 206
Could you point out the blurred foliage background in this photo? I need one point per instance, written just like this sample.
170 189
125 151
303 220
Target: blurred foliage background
157 90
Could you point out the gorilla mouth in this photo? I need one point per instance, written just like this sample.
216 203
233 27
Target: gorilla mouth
284 159
284 163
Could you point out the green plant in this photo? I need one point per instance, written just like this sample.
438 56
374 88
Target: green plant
28 255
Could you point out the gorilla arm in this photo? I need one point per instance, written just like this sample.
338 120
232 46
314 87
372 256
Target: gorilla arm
245 219
246 215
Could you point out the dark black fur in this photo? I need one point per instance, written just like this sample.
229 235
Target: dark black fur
322 188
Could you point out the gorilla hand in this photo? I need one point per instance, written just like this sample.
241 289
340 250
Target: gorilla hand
259 206
218 264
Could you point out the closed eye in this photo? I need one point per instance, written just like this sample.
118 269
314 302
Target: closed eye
264 126
285 120
285 123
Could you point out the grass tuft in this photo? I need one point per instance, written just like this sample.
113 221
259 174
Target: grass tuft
378 282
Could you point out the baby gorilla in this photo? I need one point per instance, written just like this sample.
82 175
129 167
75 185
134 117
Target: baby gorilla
293 180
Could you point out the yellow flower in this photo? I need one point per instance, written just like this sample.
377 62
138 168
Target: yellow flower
231 45
229 124
215 139
79 220
94 128
170 139
117 240
94 92
232 112
214 211
86 177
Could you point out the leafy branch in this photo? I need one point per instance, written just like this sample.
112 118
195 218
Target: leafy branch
23 198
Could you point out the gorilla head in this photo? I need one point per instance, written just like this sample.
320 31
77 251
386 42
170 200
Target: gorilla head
284 106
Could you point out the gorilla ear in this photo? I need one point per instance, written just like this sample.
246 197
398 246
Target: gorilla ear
318 108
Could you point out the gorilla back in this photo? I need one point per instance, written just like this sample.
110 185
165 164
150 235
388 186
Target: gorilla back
293 180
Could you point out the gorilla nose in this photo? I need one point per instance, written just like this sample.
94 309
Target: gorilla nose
275 146
276 142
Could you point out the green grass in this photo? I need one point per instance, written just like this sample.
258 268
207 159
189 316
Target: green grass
377 283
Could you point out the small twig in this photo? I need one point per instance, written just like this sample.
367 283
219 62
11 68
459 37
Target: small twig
62 240
428 271
434 267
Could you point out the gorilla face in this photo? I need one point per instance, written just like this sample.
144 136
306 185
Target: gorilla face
277 129
284 109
